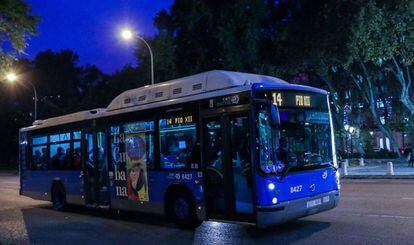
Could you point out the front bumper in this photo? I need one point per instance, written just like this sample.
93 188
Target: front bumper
289 210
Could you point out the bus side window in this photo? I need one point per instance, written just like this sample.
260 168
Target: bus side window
40 156
178 147
60 156
77 156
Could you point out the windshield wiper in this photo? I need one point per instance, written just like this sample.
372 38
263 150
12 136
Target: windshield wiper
332 166
283 175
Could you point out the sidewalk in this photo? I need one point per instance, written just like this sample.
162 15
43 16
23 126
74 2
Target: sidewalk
8 173
377 168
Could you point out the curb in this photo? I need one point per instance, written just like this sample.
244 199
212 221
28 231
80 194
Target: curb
378 177
8 173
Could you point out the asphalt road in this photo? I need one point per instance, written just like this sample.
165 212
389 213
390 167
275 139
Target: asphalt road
370 212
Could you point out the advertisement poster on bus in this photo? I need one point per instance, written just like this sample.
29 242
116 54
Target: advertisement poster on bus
137 181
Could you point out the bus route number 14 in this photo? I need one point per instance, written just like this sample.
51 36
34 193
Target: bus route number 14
277 99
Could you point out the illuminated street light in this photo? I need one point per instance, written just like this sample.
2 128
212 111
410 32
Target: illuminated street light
346 127
127 34
11 77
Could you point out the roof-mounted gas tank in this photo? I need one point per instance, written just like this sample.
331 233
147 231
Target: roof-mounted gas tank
186 86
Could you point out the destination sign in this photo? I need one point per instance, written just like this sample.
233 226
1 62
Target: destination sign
179 120
295 99
280 99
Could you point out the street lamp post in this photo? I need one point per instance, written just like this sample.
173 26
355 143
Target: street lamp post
128 35
35 100
352 131
12 77
346 127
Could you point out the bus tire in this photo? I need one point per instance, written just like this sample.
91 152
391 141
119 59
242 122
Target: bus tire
58 197
182 210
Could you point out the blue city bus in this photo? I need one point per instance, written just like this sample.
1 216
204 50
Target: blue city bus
223 146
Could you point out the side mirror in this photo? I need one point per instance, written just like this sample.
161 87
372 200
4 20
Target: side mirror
274 115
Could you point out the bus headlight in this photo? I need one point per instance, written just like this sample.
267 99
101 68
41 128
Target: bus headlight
274 200
271 186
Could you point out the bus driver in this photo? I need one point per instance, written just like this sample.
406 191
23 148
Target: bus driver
283 153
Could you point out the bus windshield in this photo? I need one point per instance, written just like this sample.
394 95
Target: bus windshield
301 141
305 135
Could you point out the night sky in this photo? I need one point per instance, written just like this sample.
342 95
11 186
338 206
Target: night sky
91 28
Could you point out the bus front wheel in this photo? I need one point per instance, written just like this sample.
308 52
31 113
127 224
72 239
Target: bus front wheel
182 211
58 197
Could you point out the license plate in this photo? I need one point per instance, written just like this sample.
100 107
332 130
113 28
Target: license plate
325 199
313 203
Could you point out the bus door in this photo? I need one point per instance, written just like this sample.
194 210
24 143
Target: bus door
96 168
228 168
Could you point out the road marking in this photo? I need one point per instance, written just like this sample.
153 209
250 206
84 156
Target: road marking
407 198
384 216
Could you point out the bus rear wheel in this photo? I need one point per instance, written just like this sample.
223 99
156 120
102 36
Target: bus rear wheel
58 198
182 211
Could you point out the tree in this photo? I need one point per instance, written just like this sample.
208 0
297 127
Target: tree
57 77
385 37
329 37
206 35
17 24
311 38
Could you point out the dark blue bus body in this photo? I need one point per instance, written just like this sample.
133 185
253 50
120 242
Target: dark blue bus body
204 157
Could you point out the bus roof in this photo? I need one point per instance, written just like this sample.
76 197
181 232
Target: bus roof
186 86
199 86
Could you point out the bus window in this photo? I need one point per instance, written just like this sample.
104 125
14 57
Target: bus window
60 151
39 158
240 154
77 135
39 140
177 143
60 137
101 159
39 153
215 168
77 156
267 139
60 155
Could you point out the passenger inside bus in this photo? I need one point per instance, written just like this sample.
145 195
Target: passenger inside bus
37 159
77 163
44 159
59 159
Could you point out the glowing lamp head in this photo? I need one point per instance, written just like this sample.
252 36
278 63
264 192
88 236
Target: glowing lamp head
11 77
126 34
271 186
346 127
